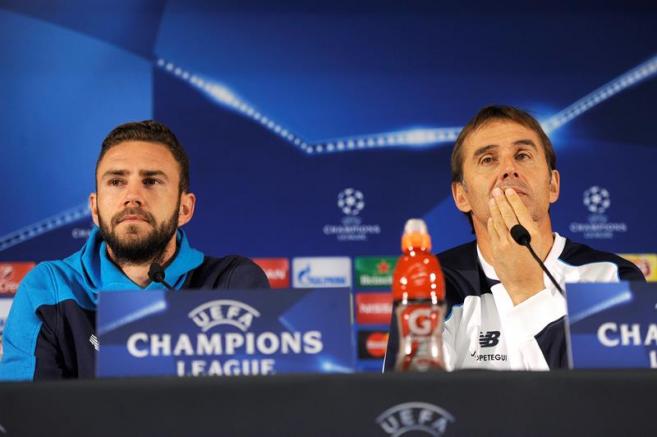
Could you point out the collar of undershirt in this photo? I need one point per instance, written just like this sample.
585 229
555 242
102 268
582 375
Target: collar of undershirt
550 261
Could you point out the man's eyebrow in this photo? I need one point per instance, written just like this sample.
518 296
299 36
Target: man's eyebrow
526 142
149 173
113 172
480 151
143 173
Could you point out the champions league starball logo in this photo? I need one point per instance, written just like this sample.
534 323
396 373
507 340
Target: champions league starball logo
597 201
351 202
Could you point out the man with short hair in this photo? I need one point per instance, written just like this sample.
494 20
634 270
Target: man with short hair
503 313
142 200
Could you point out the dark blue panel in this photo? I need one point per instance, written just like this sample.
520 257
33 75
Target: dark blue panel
324 72
279 198
130 24
61 93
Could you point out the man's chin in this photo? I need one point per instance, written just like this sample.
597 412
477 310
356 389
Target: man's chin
133 229
132 238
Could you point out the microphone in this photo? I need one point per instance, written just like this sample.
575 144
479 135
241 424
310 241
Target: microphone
156 274
521 236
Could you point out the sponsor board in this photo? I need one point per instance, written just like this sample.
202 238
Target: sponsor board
321 272
646 262
372 344
11 274
277 271
224 333
374 271
612 325
373 308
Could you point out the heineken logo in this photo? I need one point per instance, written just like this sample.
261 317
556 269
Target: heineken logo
368 280
375 271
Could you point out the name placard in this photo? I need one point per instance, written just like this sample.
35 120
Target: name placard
249 332
612 325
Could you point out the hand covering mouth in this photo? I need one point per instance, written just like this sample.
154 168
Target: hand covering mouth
519 189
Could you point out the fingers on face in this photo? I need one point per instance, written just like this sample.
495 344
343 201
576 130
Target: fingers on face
506 210
497 221
519 208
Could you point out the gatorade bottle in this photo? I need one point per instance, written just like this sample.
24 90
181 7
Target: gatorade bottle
418 292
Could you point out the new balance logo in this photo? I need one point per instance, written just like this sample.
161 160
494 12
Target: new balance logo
490 339
94 341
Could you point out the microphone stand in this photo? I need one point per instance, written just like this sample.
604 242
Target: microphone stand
156 274
521 236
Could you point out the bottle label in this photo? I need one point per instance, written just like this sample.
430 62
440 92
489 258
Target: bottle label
419 320
420 337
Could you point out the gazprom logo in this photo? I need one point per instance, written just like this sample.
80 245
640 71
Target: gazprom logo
307 278
415 416
223 312
321 272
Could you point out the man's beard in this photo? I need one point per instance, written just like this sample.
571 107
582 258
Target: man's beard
143 249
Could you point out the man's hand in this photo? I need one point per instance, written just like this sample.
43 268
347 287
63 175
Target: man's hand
518 271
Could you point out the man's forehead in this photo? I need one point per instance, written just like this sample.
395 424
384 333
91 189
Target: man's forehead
500 133
138 158
139 155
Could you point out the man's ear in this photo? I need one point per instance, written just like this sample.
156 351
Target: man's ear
186 211
555 184
460 198
93 207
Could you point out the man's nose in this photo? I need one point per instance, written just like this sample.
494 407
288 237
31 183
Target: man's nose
133 195
508 169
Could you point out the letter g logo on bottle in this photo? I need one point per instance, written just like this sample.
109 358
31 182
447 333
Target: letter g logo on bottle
419 321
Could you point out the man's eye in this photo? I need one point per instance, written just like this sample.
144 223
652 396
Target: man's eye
115 182
486 160
151 181
522 156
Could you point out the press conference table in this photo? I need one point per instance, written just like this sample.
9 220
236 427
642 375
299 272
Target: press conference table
476 402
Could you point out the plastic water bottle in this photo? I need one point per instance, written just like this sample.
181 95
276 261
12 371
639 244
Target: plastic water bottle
418 291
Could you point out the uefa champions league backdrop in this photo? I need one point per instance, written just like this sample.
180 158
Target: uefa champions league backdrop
284 106
316 129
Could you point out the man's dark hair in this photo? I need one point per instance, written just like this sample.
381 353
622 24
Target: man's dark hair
498 113
153 132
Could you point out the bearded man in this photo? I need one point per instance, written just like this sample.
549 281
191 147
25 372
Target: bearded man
142 200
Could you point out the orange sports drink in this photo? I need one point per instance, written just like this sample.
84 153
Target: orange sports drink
418 292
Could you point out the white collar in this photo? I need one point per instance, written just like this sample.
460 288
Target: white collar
550 261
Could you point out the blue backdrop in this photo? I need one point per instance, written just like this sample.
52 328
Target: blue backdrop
284 106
